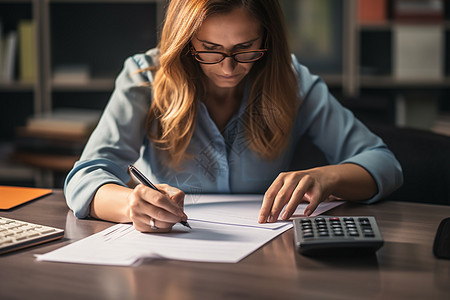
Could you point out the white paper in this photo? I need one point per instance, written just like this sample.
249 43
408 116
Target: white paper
226 231
240 210
123 245
99 249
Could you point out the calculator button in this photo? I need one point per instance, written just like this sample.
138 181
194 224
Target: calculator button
368 233
46 230
21 237
6 241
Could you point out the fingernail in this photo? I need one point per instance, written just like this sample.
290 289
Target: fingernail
271 219
261 219
307 212
284 216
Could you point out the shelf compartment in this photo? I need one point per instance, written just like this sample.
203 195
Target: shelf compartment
392 82
94 84
17 86
104 37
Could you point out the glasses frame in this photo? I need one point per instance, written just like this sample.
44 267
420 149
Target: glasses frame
225 55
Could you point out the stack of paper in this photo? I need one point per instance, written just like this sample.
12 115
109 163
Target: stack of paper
418 52
223 230
71 121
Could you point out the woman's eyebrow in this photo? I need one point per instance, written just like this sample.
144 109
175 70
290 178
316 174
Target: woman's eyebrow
218 45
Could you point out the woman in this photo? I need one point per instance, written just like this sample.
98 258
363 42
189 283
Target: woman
218 107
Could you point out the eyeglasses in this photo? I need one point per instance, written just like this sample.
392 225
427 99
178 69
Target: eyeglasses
215 57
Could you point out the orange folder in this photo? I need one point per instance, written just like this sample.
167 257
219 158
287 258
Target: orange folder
12 196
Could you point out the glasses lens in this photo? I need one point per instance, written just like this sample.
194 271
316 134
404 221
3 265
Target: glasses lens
209 57
248 56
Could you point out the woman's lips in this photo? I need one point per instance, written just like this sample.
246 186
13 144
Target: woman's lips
226 77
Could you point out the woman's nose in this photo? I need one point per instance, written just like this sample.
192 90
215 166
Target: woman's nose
228 65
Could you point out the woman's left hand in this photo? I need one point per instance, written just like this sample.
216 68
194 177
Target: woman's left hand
343 181
291 188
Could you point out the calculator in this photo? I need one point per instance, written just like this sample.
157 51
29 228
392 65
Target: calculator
16 234
329 235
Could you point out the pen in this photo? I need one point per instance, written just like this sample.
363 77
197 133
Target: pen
144 180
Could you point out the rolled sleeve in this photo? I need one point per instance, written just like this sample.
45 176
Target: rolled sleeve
342 137
117 139
384 168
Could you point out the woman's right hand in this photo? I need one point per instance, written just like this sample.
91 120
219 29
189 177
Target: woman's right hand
164 207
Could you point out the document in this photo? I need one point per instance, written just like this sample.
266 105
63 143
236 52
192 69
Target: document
241 210
122 245
224 229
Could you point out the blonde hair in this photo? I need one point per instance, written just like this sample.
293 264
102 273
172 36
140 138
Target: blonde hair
178 82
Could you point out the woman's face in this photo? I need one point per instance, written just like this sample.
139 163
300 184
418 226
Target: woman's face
231 32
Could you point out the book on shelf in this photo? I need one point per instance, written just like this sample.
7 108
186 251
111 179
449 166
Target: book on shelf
418 11
30 141
68 121
418 52
71 74
372 11
18 51
2 51
27 51
9 57
442 125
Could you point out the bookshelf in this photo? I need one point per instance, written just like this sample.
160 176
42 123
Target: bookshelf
14 92
63 31
112 35
367 46
405 55
80 49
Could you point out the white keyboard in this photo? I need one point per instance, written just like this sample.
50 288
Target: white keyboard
15 234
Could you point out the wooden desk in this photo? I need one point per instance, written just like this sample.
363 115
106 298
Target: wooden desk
404 268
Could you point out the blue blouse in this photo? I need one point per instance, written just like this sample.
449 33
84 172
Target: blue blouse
222 162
